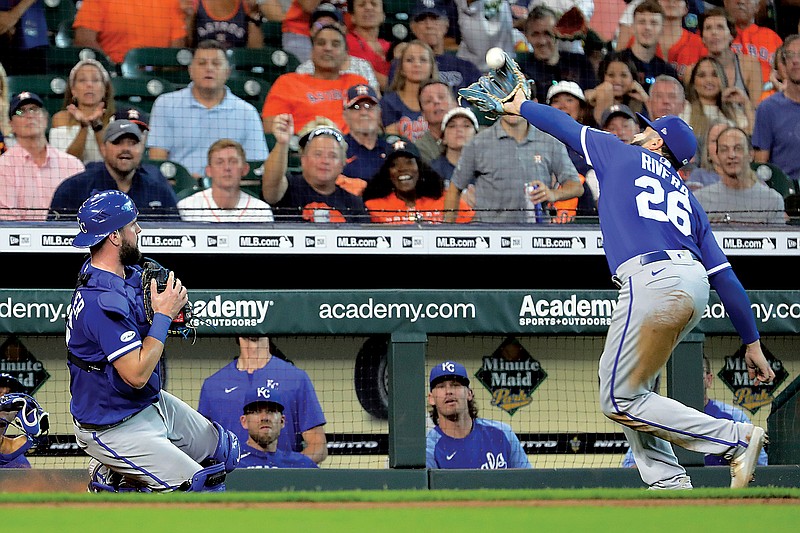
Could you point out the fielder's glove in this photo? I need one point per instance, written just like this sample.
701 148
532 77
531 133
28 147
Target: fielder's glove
499 86
31 419
151 269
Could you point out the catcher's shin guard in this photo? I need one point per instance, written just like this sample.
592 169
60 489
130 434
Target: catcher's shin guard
209 479
227 452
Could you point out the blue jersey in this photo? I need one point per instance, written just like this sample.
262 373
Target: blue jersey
19 461
253 458
643 191
490 445
222 399
105 321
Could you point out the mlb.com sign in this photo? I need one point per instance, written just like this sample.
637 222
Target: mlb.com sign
231 313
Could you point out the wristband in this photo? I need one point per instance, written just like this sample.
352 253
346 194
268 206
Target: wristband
160 327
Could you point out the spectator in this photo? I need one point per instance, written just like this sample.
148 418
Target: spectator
257 364
31 169
547 65
10 454
569 98
366 17
739 196
743 71
429 23
751 39
123 148
775 135
710 97
185 123
400 109
648 25
23 37
366 147
323 16
679 46
484 24
305 96
115 27
264 420
408 191
233 23
566 43
435 99
716 409
295 27
225 201
625 23
619 85
621 121
312 195
459 439
708 169
459 127
666 97
88 106
501 182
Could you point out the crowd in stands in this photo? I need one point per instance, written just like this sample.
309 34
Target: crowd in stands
369 127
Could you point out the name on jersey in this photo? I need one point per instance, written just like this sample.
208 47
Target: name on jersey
168 241
574 243
661 168
266 241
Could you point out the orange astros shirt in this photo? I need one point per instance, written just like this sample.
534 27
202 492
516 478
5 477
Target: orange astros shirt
393 210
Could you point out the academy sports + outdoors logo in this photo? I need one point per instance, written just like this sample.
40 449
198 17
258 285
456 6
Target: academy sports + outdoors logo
570 311
218 312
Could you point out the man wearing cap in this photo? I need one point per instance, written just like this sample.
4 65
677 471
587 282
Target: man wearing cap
659 246
32 169
435 99
123 147
548 65
312 195
264 420
11 455
620 120
459 439
366 147
185 123
430 23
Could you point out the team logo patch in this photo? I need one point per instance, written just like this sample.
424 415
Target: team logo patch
745 394
511 375
127 336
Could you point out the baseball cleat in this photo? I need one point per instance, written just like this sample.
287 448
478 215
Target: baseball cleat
743 467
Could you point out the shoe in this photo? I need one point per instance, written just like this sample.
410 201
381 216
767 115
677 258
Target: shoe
743 466
683 482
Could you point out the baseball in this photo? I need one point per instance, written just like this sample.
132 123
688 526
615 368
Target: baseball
495 57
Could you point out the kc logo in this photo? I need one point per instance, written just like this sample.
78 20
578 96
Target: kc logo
448 366
264 392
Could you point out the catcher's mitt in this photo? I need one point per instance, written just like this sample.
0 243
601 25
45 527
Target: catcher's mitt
151 269
499 86
31 419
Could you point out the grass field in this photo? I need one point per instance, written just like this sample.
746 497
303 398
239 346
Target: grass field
583 510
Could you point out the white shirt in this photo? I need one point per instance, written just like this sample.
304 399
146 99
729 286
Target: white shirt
201 207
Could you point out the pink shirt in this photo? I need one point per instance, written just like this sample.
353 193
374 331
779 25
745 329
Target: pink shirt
26 188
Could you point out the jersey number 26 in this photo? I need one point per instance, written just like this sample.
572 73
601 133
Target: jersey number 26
654 204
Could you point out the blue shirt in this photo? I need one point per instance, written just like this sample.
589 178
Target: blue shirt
301 200
105 321
19 461
411 124
362 162
222 399
775 130
150 191
253 458
31 28
187 129
490 445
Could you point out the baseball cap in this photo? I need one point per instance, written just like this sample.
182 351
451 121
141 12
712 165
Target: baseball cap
325 10
102 214
614 110
360 92
569 87
263 395
140 118
7 380
427 7
677 134
399 146
460 112
25 97
117 129
321 130
449 370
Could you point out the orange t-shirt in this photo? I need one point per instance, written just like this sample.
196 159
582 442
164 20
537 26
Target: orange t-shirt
307 97
296 20
760 42
393 210
118 31
686 52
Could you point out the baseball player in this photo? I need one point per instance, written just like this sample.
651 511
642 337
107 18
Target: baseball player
264 420
140 437
659 244
22 411
459 438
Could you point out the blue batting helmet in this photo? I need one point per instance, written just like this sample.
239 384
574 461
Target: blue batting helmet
102 214
677 134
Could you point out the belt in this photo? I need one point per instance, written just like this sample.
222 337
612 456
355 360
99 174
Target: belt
663 255
94 427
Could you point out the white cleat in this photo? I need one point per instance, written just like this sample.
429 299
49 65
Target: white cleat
743 466
682 482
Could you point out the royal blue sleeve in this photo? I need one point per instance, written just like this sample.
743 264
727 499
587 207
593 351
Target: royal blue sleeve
555 122
737 304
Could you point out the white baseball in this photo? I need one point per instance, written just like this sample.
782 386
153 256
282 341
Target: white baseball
495 57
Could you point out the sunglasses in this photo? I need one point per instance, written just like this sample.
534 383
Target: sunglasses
363 105
336 134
